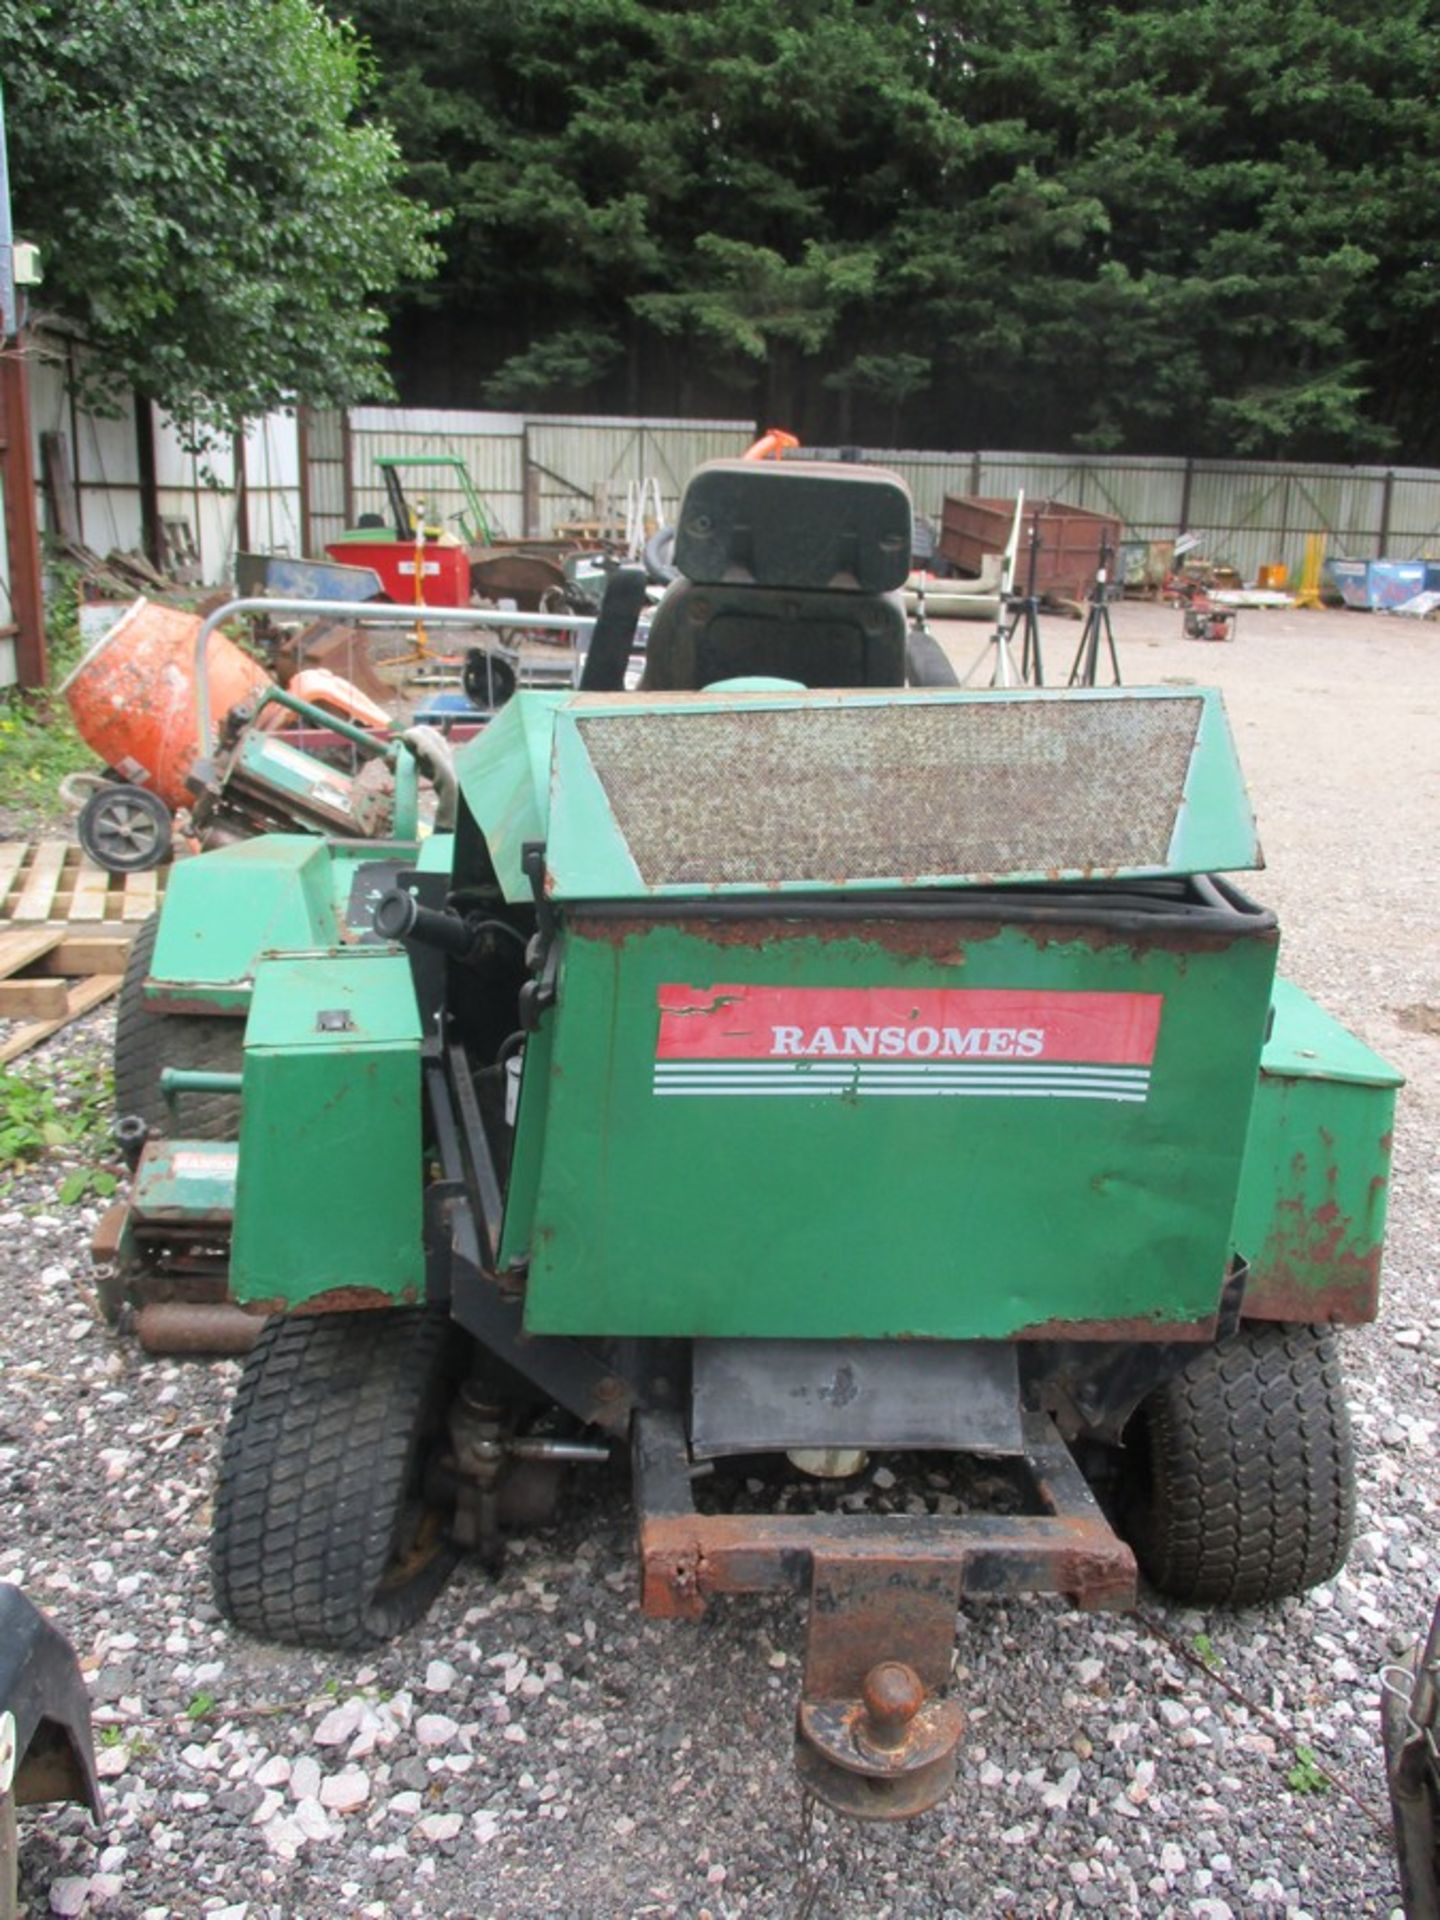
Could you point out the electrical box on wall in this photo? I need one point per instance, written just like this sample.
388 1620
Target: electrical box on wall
28 270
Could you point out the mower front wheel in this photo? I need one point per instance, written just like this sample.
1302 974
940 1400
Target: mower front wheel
1241 1470
323 1535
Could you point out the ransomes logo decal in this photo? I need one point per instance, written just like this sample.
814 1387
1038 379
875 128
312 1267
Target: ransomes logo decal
981 1043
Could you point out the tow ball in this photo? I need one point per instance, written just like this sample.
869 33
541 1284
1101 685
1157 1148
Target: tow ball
884 1757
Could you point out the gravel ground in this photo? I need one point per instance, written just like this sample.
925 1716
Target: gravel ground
537 1748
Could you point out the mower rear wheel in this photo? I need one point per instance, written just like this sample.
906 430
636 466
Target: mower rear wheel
146 1042
1241 1470
323 1535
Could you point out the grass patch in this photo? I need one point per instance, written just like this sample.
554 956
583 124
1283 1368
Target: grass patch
38 741
35 1121
1306 1776
1204 1650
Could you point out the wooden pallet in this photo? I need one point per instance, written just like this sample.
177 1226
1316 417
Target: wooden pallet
53 881
65 930
49 976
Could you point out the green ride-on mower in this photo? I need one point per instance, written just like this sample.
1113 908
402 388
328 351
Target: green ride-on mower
798 1060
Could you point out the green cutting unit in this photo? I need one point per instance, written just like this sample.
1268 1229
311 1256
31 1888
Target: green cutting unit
798 1060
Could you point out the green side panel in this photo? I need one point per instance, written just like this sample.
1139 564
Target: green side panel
1310 1216
979 1197
277 893
730 792
328 1195
504 775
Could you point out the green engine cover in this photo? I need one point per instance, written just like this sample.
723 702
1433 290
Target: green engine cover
945 1130
329 1191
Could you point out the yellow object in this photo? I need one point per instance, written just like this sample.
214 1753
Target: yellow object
1308 594
1274 579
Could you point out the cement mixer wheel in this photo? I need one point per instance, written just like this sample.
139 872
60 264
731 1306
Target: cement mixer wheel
125 829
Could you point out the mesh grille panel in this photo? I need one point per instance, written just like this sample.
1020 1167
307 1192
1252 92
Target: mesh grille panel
829 794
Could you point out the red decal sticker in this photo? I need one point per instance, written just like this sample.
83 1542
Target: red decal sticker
909 1025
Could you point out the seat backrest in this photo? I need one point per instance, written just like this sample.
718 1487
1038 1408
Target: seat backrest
792 570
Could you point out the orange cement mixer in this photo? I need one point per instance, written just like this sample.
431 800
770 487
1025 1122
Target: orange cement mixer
133 695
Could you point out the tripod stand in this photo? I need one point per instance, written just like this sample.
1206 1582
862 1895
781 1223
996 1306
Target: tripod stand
1004 672
1024 612
1097 627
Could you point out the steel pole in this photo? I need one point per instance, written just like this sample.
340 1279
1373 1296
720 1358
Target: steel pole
367 613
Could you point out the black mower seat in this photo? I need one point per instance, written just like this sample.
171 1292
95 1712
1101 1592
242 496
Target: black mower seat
792 570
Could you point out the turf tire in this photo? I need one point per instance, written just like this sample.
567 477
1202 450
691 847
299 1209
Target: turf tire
316 1512
146 1042
1242 1470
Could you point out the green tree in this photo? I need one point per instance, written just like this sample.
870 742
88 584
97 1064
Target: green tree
215 216
1197 235
1098 223
713 190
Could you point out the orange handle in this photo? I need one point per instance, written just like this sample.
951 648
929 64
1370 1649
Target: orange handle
771 445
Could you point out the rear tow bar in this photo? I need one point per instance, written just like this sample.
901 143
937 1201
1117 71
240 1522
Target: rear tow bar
876 1731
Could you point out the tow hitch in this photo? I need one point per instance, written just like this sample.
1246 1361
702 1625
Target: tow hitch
876 1731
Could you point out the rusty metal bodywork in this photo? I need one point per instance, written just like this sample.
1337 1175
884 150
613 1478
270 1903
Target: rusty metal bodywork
1310 1214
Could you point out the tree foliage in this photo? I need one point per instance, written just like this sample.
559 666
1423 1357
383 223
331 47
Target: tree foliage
1001 222
215 217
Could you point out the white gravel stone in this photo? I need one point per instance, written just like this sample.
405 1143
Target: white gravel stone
441 1826
311 1819
338 1726
305 1778
70 1895
345 1792
1138 1791
436 1729
283 1836
1057 1796
440 1676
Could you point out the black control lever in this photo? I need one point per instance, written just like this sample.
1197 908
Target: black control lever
399 916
